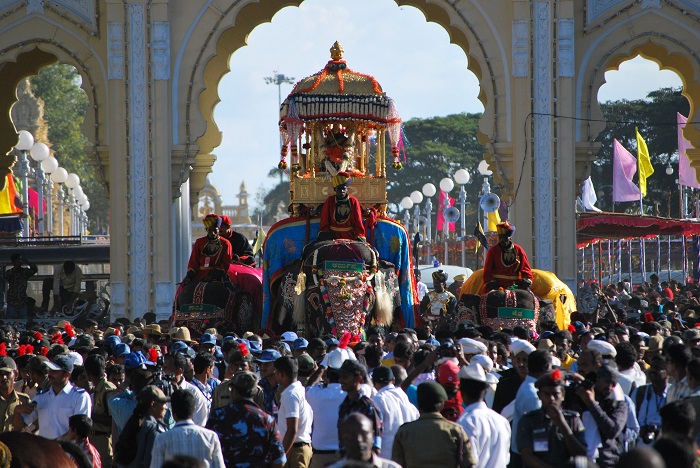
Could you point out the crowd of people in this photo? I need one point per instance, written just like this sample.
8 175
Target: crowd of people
618 390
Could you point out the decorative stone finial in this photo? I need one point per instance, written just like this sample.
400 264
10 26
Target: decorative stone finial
337 51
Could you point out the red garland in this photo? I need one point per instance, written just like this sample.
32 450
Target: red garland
69 330
344 340
555 375
57 339
243 349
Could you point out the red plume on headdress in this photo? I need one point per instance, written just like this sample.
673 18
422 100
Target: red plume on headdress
152 355
117 332
344 340
44 350
555 375
572 329
243 349
25 349
38 336
57 338
3 349
648 317
69 330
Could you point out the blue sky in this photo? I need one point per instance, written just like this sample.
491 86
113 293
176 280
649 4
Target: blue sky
412 59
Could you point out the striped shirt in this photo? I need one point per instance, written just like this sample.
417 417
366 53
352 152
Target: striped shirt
187 438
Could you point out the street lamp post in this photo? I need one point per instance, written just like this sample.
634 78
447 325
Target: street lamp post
462 178
279 79
26 141
72 182
39 153
416 197
446 185
406 204
428 190
59 177
49 166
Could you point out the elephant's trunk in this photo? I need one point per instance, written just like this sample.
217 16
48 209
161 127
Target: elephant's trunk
384 305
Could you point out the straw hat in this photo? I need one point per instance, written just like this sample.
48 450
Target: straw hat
152 329
180 334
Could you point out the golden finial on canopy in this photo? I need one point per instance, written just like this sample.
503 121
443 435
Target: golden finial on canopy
337 51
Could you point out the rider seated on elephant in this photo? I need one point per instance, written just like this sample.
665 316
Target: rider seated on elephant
211 254
241 248
439 302
341 216
506 263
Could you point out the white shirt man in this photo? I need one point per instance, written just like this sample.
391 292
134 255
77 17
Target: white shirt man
293 404
393 404
187 438
488 431
55 406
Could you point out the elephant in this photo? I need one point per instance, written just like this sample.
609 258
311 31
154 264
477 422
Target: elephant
485 309
328 289
230 308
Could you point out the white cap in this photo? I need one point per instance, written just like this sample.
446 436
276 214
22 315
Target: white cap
519 346
335 358
471 346
472 372
76 357
289 336
603 347
484 361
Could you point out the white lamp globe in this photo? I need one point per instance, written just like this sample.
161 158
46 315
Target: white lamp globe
462 177
39 151
416 197
406 203
446 184
86 206
60 175
82 199
49 165
72 181
484 168
25 142
78 192
429 190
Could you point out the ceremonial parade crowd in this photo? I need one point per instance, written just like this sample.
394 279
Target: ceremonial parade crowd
620 390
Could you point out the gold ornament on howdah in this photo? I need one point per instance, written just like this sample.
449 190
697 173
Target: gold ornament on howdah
337 51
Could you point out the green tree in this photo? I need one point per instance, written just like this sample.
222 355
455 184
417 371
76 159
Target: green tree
438 147
64 111
656 119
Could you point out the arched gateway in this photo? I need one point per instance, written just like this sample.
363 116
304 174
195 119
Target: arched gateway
539 63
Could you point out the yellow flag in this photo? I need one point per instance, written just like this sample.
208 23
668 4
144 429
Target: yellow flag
494 218
643 162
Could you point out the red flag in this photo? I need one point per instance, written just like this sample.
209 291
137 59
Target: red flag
445 201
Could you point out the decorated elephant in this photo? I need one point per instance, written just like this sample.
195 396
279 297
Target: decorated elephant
338 285
556 299
502 308
203 305
285 243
